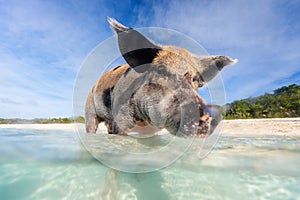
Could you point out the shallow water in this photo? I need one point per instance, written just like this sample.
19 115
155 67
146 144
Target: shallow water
51 164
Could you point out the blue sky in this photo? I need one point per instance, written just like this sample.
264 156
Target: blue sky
44 43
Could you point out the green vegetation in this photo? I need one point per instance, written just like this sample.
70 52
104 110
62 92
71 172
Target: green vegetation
79 119
284 102
59 120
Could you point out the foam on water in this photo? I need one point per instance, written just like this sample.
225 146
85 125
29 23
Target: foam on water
51 164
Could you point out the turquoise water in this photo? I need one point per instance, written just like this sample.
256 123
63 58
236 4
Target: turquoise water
51 164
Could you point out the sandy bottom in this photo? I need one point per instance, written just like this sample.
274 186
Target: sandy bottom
245 127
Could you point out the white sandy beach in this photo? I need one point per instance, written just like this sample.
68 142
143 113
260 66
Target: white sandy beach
261 127
240 127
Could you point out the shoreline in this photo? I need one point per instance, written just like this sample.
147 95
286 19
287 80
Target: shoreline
267 119
236 127
262 127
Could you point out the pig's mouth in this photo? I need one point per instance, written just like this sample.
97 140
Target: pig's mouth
202 128
208 121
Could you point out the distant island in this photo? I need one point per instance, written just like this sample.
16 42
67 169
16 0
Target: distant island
284 102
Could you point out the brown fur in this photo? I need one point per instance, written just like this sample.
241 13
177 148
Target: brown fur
110 78
93 111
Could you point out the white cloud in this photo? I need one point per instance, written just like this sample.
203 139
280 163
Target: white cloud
255 32
42 46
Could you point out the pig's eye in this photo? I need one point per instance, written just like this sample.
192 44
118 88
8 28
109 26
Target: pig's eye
161 68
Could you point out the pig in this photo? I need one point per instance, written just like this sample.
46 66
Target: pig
156 88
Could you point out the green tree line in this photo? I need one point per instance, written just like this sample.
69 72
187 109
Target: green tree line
284 102
59 120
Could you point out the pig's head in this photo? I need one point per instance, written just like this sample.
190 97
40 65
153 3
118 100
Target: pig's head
143 55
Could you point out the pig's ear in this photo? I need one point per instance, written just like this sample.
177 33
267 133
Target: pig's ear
210 66
136 49
222 61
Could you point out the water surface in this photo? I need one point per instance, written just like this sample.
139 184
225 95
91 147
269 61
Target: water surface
52 164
